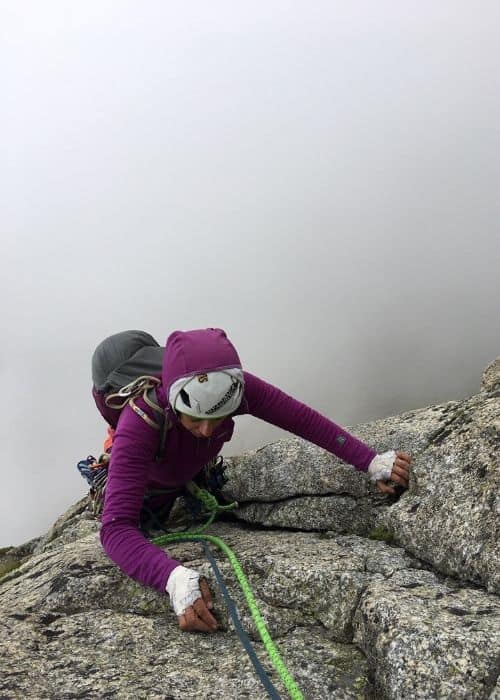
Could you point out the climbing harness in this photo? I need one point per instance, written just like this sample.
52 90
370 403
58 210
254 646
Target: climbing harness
212 478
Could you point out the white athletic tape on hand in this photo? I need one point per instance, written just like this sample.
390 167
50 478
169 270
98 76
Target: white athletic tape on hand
183 587
381 466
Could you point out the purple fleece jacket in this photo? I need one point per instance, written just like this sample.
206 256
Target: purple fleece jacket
133 468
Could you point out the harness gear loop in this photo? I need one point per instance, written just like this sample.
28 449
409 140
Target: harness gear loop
95 472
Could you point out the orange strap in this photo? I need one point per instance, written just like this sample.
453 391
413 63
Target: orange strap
108 442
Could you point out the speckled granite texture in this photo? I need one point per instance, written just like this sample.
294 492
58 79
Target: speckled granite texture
365 596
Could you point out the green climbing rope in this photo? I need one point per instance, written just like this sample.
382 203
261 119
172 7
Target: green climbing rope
211 503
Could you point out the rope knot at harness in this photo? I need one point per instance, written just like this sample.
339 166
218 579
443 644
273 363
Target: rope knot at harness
210 502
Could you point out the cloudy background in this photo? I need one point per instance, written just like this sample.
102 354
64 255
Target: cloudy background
320 179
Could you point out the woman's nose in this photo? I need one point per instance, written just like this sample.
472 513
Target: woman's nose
206 428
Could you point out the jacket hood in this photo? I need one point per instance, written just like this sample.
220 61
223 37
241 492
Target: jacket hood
195 352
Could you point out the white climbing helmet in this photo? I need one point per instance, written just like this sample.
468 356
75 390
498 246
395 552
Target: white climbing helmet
208 395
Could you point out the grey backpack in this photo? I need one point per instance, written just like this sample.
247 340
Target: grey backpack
125 366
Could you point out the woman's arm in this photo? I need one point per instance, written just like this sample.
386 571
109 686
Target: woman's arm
269 403
134 448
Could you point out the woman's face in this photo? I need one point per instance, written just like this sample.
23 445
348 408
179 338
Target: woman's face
200 427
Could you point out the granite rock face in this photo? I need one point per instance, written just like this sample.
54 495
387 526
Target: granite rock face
292 483
450 515
411 617
353 618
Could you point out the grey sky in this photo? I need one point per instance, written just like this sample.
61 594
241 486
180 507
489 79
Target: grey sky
319 179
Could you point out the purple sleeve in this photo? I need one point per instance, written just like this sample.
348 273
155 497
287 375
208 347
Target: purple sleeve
274 406
134 448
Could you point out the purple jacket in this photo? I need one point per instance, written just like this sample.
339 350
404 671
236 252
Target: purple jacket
133 468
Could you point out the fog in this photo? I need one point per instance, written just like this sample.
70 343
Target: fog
319 179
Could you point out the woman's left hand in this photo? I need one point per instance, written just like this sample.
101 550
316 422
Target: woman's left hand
400 473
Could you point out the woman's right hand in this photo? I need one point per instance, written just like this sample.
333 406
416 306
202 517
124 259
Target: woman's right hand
191 600
197 617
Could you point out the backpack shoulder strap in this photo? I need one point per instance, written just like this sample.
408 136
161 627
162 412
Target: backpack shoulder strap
165 427
151 398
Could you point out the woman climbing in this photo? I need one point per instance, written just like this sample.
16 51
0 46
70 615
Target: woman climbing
202 388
